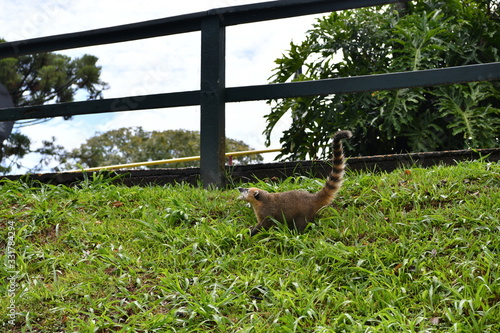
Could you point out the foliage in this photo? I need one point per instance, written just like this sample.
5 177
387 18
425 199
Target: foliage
411 251
19 145
50 77
421 35
133 144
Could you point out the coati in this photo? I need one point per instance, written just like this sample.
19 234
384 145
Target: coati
297 208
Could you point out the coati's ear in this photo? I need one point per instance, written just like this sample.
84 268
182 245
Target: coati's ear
256 195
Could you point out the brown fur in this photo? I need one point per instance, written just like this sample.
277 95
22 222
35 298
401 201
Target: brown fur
297 208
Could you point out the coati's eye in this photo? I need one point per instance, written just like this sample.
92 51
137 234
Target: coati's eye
256 195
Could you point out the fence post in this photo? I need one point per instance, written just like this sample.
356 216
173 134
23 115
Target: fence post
212 104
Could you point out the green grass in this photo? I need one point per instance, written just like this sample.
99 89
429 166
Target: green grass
410 251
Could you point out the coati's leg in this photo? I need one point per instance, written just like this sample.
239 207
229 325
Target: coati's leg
299 223
254 231
264 224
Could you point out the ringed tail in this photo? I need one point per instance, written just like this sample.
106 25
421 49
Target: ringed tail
334 180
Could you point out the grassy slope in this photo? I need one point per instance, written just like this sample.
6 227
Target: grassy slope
414 250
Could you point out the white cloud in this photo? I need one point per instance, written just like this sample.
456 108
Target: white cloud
163 64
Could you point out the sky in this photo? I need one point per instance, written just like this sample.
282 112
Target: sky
156 65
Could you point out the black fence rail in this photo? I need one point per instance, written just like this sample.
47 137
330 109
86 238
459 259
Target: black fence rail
213 93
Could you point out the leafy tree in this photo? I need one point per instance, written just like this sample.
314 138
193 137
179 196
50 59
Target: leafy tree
134 144
416 36
39 79
18 146
50 77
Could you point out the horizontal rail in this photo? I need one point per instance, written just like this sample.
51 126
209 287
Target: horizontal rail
376 82
470 73
182 24
173 160
142 102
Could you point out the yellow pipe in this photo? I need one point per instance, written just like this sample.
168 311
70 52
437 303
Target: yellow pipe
251 152
173 160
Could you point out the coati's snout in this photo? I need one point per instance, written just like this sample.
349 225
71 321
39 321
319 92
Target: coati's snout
243 193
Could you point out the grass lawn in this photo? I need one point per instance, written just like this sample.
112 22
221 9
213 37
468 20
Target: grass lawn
414 250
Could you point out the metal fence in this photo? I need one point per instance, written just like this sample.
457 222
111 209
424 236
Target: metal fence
213 93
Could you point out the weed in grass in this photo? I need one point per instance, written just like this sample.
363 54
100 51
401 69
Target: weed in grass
414 250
